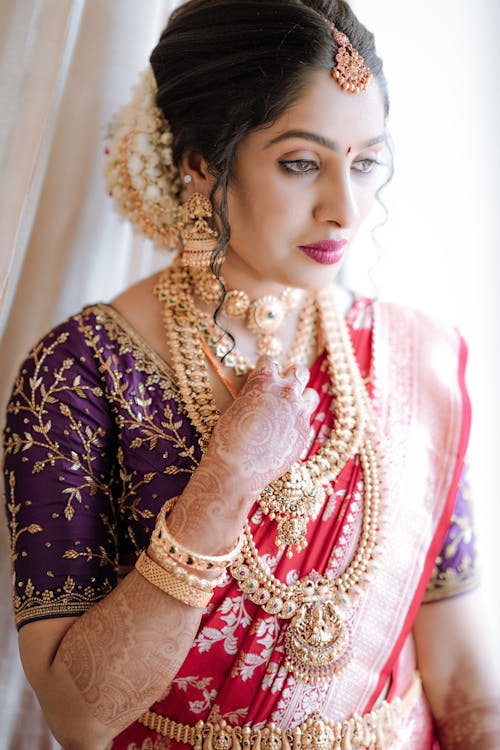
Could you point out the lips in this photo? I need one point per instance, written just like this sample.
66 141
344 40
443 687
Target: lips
327 252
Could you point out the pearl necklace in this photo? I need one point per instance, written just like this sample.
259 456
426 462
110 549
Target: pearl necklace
318 643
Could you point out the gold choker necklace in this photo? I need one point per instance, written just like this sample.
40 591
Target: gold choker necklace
226 351
264 315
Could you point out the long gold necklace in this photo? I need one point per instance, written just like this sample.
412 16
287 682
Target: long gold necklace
318 639
318 644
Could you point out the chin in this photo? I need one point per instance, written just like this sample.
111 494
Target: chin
313 279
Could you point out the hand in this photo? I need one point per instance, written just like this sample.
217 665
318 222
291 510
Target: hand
267 427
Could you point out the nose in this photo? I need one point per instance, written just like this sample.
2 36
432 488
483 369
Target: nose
336 202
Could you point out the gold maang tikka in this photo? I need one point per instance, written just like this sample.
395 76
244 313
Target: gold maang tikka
350 70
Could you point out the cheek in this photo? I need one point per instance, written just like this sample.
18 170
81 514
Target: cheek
260 207
366 199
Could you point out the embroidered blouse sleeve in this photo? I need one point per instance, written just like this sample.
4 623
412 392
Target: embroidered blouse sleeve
58 463
455 570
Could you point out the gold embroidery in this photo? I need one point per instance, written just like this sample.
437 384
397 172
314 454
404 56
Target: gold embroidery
141 425
14 508
70 599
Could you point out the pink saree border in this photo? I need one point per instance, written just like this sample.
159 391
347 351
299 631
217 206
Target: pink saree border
441 529
443 524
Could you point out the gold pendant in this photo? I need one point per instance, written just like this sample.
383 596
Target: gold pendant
317 643
293 500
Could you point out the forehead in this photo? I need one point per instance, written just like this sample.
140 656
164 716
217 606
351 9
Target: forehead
323 108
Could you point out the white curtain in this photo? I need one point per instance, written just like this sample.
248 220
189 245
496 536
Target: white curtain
65 67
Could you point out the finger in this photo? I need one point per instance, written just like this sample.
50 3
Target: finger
265 362
264 366
311 398
299 372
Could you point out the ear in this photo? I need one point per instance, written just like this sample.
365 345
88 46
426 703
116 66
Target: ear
194 165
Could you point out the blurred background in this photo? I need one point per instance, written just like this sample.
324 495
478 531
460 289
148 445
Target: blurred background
67 65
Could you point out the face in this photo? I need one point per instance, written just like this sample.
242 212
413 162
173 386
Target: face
302 187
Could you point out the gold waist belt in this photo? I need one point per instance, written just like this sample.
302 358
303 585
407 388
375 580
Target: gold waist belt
378 730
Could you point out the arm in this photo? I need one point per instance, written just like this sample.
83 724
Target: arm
455 658
96 674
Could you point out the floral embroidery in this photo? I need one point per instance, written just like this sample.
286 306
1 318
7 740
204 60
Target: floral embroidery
233 613
88 406
202 686
267 633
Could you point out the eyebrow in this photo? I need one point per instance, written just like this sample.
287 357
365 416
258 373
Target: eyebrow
321 140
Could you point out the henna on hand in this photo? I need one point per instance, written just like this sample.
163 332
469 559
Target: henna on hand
124 652
255 441
266 428
475 726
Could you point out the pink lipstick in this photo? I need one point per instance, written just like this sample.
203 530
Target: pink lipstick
327 252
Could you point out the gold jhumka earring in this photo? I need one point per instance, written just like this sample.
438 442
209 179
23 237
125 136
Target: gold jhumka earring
198 238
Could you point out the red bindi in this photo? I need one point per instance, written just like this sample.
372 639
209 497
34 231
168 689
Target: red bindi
348 151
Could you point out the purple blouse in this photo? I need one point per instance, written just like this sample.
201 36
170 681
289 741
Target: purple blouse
96 440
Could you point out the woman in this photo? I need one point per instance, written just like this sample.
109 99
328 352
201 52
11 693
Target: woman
227 490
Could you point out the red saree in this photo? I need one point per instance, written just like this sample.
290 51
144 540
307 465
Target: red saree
234 671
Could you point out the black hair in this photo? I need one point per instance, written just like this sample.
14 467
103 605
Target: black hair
226 67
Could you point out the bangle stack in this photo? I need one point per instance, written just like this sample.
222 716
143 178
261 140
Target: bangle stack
162 540
171 569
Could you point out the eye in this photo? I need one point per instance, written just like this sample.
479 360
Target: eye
365 166
299 166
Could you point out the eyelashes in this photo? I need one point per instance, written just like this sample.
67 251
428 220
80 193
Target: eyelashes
299 166
366 166
302 167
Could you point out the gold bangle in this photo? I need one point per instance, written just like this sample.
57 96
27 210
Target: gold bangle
163 559
162 537
184 591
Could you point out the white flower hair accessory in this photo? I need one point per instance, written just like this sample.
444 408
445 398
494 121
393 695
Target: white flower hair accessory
139 171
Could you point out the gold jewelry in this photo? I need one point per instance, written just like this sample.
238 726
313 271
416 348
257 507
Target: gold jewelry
350 70
199 239
264 315
378 730
318 640
187 591
222 345
298 495
163 539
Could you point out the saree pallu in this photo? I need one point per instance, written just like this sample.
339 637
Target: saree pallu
97 439
412 363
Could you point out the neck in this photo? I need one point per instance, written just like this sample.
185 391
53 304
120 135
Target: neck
239 275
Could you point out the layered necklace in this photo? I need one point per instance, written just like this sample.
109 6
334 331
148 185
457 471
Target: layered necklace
318 643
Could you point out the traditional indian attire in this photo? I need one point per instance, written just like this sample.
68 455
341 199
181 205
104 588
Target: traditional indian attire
97 439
